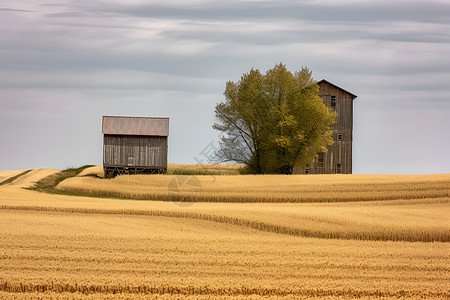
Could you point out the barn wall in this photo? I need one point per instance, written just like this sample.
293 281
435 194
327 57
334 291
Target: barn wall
135 151
344 105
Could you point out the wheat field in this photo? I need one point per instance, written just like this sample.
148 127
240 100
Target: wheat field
4 175
263 188
67 247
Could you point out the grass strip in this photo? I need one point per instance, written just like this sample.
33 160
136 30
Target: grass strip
49 183
9 180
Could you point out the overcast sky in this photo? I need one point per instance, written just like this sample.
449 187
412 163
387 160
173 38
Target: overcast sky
65 64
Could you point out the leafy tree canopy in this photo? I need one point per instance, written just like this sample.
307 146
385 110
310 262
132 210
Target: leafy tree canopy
274 121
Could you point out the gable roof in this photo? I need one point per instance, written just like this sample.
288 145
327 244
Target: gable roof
332 84
135 126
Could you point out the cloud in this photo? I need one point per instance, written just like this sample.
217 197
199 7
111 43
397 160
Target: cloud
368 11
77 60
14 10
106 79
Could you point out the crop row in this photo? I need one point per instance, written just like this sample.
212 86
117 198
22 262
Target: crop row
92 289
380 235
268 188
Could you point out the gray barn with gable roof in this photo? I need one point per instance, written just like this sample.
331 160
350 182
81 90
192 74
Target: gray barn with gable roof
338 158
134 145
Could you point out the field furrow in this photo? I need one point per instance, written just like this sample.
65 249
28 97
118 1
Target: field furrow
316 226
78 247
267 188
159 255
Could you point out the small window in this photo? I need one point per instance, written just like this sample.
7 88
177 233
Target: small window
339 168
321 160
333 101
340 137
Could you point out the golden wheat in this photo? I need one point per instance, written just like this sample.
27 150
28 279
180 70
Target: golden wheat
264 188
93 254
5 175
30 178
210 169
421 223
421 219
58 246
95 170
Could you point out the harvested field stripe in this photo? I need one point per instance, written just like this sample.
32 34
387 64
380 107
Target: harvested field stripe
261 226
11 179
262 188
206 290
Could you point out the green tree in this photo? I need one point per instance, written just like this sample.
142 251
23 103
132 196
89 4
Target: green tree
274 121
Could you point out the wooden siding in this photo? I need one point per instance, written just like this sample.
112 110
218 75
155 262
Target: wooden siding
135 126
341 151
135 151
344 105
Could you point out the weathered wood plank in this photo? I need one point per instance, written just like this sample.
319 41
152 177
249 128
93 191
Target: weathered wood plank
135 151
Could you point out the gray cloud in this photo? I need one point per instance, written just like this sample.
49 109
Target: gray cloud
14 10
372 11
67 64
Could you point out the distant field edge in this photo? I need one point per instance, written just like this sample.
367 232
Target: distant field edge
426 237
53 289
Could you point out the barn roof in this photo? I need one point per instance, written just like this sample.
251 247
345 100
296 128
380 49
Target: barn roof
148 126
326 81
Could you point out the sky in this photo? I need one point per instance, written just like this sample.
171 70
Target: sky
64 64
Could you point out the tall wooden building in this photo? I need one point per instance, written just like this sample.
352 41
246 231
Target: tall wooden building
338 158
134 145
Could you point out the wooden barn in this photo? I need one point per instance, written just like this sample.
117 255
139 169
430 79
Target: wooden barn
134 145
338 158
